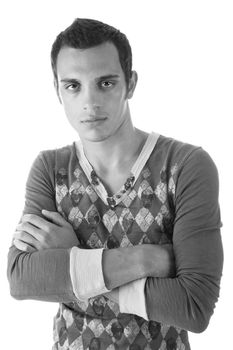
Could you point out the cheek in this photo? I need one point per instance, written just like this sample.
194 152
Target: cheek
72 109
117 101
73 116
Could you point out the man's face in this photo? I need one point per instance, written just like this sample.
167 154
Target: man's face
92 88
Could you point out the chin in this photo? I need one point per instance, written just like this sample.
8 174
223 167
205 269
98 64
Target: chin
94 137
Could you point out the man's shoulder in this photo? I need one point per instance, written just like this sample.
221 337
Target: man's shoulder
174 149
58 157
176 154
64 151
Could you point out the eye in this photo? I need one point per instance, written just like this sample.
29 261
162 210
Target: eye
107 84
72 87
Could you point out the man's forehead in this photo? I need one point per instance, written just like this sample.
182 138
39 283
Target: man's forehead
102 58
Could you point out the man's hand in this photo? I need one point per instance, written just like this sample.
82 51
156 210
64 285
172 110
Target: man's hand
36 233
126 264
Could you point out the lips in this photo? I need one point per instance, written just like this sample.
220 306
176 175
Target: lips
92 120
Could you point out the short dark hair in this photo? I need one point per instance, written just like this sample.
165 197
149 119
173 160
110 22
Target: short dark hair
85 33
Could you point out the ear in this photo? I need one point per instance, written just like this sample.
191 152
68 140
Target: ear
132 84
57 90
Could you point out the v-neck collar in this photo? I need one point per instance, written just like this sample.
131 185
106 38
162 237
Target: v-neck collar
136 169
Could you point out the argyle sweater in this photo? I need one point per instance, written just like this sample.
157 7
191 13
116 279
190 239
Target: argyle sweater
171 196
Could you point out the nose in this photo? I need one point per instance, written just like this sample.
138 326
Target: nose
91 101
91 108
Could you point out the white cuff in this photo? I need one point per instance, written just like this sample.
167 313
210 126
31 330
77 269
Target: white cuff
86 272
132 298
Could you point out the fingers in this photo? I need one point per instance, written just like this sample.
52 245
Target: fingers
26 238
54 217
44 233
30 230
23 246
25 241
37 222
44 224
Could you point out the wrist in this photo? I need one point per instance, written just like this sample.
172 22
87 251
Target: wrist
148 259
141 256
158 260
122 265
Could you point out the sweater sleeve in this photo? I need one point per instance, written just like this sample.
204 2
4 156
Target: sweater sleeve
188 300
41 275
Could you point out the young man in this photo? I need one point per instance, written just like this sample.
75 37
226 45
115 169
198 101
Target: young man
121 228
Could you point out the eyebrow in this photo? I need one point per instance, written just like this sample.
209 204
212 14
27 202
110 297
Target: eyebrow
103 77
109 76
69 80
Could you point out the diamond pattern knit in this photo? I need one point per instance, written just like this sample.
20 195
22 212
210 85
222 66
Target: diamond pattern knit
144 215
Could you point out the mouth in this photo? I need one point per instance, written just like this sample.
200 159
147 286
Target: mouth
93 120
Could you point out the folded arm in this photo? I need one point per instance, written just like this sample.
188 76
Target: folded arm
39 259
93 271
188 300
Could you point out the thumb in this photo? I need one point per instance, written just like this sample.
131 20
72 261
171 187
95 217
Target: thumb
55 217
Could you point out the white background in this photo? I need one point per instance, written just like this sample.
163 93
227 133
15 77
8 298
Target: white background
183 54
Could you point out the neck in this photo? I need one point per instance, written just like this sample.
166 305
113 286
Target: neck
113 149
